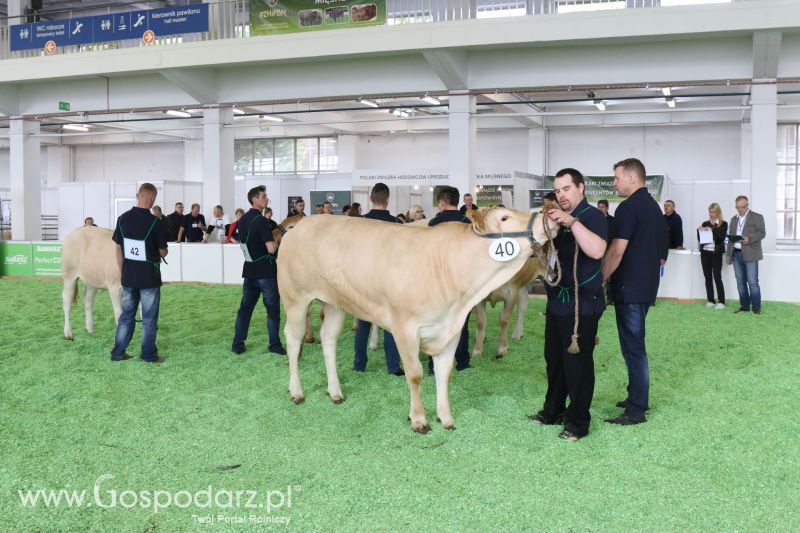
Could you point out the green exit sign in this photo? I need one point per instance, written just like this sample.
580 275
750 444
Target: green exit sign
63 106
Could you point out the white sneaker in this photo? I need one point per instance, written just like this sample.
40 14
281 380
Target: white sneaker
709 304
719 306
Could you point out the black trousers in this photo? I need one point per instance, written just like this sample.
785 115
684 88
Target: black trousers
570 375
712 268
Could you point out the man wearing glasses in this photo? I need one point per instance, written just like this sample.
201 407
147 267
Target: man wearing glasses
744 252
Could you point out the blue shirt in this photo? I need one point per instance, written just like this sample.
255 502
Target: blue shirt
675 227
254 230
449 215
561 299
140 224
639 221
381 214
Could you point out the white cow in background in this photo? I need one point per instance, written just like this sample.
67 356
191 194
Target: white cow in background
89 253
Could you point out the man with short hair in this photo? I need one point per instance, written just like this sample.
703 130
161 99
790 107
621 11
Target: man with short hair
217 226
569 346
268 215
156 210
447 202
744 253
260 273
379 196
299 208
633 263
89 221
194 224
468 205
174 222
674 226
318 209
327 208
141 245
602 205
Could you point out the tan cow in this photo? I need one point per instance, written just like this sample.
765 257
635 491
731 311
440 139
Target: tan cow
410 281
512 294
89 253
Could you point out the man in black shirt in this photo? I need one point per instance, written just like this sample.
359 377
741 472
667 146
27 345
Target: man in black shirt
468 205
260 273
299 208
379 196
674 226
569 346
175 221
141 243
448 212
632 263
194 224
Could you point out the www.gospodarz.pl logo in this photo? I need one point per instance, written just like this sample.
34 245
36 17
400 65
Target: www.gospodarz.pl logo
105 497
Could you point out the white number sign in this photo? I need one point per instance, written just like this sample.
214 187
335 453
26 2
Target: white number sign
503 249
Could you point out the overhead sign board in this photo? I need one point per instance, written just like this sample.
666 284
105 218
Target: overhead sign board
110 27
269 17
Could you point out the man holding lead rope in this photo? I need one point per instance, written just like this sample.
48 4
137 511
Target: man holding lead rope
575 304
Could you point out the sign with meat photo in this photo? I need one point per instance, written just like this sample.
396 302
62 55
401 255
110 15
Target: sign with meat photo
271 17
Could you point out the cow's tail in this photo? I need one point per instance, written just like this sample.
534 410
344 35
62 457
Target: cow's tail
75 291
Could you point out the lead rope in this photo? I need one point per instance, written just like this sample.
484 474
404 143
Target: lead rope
574 348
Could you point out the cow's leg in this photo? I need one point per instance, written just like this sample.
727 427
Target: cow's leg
88 305
373 338
68 296
408 346
522 308
296 315
115 293
505 317
480 334
329 334
443 366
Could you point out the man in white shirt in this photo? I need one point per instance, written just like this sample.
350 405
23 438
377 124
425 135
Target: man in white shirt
744 252
216 227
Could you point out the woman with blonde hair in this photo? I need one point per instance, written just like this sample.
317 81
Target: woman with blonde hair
415 212
712 249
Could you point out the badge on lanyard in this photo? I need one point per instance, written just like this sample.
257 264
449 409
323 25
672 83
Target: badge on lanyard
134 250
246 252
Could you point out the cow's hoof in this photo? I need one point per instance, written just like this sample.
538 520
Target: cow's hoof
69 338
516 337
422 429
500 356
336 399
476 353
451 427
298 399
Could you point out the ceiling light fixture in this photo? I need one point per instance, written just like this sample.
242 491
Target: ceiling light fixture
176 113
666 91
271 118
431 99
237 111
75 127
401 113
371 103
671 101
600 104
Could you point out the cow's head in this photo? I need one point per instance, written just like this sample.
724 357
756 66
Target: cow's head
287 224
498 221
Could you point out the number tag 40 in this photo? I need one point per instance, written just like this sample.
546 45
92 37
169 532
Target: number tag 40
503 249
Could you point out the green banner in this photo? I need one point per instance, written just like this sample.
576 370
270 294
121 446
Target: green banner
602 187
271 17
16 259
47 259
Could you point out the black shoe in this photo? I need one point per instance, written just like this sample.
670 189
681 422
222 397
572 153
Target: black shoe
463 368
625 420
359 370
570 436
238 351
624 403
280 350
398 372
540 418
756 311
741 310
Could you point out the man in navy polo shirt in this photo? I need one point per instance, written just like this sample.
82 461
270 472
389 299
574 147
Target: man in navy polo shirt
571 373
260 273
379 196
448 212
141 243
632 263
194 224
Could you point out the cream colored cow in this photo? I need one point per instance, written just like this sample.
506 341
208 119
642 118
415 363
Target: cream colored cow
410 281
88 253
512 294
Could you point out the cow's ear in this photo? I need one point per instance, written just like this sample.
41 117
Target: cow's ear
479 221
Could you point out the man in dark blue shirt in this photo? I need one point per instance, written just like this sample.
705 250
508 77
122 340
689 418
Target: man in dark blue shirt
141 243
468 205
260 273
194 225
379 196
574 308
674 226
448 212
632 263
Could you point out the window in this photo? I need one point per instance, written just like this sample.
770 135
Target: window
786 194
305 155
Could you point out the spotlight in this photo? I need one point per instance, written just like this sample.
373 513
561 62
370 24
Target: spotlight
176 113
371 103
600 104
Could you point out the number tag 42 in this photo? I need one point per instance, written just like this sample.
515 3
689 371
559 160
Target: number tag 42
134 250
503 249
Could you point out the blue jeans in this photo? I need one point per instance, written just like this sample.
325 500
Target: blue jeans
150 299
747 282
630 325
267 288
389 347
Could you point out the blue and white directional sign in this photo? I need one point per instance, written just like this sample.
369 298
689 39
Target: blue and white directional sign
111 27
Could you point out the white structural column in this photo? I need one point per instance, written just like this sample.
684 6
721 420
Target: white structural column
16 8
462 142
763 161
218 185
26 182
537 151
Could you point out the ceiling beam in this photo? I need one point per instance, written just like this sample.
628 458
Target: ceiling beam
766 54
452 67
9 100
198 83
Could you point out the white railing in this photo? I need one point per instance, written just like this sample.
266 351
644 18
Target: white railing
230 19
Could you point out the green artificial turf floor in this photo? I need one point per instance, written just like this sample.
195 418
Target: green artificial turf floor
719 452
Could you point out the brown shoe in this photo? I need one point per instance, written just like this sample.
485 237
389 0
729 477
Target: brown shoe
158 361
